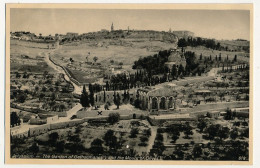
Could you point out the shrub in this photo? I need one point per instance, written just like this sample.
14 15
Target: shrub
133 133
113 118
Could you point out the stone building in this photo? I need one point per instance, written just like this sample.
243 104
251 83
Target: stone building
175 58
157 99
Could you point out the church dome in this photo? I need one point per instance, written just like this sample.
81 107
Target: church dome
174 57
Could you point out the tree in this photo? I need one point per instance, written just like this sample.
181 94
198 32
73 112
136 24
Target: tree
219 57
134 132
245 124
178 152
113 118
84 98
212 131
41 96
159 137
200 56
21 97
234 134
187 130
60 146
104 96
181 70
95 59
14 119
34 148
174 72
229 114
17 75
144 139
202 125
91 96
223 133
159 146
106 106
124 97
197 151
117 102
137 103
44 89
148 132
182 43
53 96
175 135
235 58
245 133
110 139
53 137
96 146
221 95
62 107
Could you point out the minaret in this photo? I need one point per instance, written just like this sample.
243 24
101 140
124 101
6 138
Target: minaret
112 27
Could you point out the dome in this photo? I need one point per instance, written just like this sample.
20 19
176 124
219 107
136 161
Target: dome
174 57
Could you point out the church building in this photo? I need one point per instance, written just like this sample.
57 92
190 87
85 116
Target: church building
175 58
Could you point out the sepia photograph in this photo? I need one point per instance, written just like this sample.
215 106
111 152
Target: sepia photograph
147 83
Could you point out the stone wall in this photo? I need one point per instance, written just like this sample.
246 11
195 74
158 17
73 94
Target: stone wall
154 121
39 130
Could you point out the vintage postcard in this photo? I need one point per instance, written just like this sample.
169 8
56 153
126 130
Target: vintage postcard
129 84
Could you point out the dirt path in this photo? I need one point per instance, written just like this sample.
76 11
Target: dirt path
152 138
77 89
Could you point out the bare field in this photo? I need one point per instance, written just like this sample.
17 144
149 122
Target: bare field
126 51
28 56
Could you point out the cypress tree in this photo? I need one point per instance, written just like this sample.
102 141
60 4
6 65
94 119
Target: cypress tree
235 58
118 99
91 96
114 97
105 96
128 95
181 70
219 58
84 99
174 72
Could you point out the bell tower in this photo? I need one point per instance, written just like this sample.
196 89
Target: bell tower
112 27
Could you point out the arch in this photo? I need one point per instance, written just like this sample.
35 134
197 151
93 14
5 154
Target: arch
154 103
162 103
170 105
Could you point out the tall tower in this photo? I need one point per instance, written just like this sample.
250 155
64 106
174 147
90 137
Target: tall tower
112 27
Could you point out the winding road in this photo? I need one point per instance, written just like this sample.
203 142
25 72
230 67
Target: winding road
77 89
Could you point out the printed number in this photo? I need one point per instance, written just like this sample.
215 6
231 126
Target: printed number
241 158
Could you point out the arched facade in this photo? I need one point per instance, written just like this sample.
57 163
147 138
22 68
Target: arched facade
154 103
161 103
171 105
161 99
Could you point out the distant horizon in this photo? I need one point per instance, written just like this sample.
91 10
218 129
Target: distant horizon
37 34
213 24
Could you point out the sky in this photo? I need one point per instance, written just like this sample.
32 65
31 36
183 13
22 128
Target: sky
218 24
